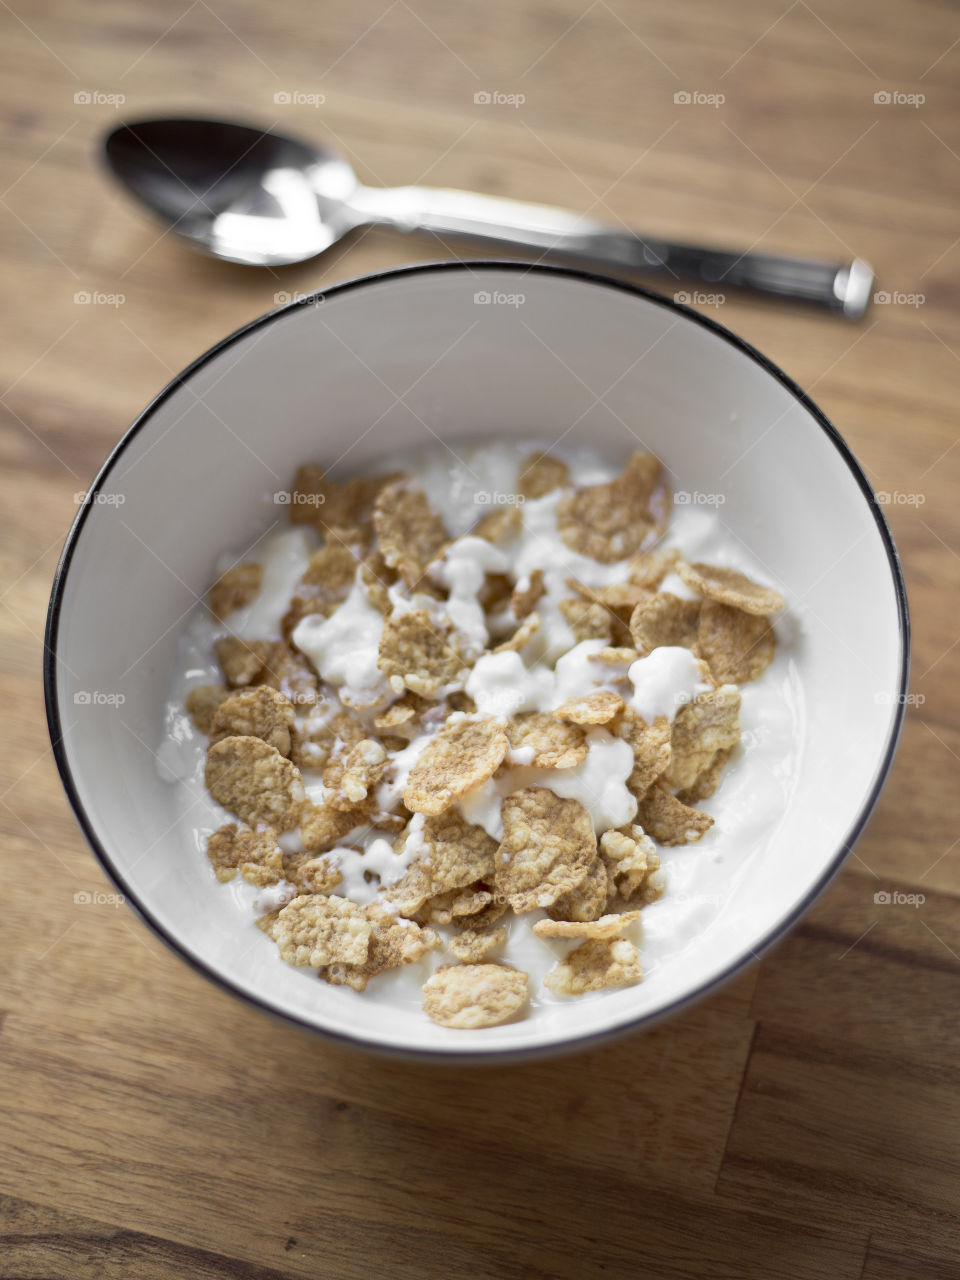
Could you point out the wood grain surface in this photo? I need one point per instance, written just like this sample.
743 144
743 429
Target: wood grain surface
801 1124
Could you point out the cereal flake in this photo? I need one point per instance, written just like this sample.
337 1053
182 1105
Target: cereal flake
730 587
469 996
547 849
410 533
253 780
599 707
665 619
472 945
540 473
234 589
736 646
556 744
462 755
610 521
702 727
611 926
669 820
202 702
317 929
595 964
417 654
260 712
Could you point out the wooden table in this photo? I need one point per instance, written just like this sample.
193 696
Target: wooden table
804 1122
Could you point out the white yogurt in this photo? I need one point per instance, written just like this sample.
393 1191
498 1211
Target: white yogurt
344 649
664 681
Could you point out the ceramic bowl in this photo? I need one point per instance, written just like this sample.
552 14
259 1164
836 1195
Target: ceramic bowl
458 351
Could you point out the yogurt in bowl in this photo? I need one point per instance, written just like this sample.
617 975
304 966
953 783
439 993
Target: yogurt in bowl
403 372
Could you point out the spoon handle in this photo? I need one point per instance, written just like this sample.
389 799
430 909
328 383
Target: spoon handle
555 232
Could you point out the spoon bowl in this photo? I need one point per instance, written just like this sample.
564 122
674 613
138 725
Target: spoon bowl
242 194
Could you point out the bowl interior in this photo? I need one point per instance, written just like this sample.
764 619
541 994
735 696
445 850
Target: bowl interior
446 354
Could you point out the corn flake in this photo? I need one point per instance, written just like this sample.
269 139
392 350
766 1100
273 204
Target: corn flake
651 749
730 587
202 702
524 602
341 508
498 525
410 533
469 996
253 780
540 474
322 826
260 712
351 775
668 820
556 745
632 863
599 707
311 874
588 900
317 929
241 661
393 942
234 589
418 655
736 646
649 568
233 847
665 619
595 964
587 620
452 854
610 521
547 849
618 596
472 945
707 781
474 906
523 634
462 755
702 727
611 926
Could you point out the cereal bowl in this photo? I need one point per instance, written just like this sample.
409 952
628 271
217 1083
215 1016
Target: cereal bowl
454 356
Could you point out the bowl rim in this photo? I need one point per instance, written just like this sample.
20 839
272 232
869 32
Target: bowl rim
439 1054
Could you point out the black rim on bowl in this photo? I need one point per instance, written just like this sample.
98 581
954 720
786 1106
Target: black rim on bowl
568 1043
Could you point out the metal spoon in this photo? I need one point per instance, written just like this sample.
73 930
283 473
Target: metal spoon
259 198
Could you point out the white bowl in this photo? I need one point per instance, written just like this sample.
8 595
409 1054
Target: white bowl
401 359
